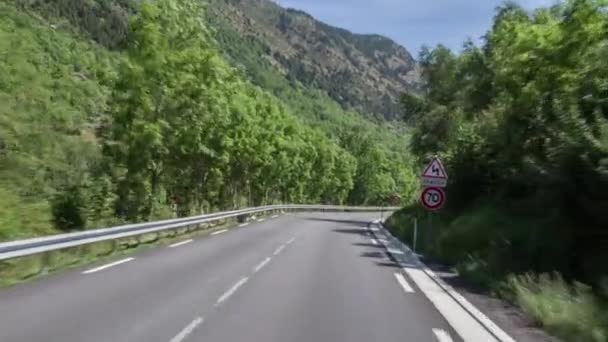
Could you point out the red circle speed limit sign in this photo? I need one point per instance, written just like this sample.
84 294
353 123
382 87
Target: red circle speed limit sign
433 198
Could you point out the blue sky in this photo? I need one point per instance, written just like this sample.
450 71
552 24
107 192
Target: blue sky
410 23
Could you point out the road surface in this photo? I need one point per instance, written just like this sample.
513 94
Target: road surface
295 278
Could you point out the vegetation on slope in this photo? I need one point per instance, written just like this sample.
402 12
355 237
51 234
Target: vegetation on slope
365 73
521 123
149 121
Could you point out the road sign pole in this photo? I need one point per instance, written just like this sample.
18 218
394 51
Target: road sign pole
429 239
415 233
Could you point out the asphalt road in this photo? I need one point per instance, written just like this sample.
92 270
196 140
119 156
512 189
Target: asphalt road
295 278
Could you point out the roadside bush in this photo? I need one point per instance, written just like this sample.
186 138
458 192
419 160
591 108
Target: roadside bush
504 241
571 312
68 210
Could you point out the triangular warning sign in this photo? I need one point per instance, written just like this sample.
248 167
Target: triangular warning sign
435 169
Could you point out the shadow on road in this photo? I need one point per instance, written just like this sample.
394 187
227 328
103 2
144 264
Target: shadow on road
370 245
381 255
388 264
351 231
348 222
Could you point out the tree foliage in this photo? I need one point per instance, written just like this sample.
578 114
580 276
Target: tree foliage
522 120
161 125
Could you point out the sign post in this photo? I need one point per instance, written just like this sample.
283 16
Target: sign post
415 232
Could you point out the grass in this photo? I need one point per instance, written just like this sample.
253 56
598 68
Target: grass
570 312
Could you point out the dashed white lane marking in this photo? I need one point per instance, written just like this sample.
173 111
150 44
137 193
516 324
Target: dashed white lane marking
278 250
261 220
261 265
219 232
187 330
274 216
177 244
290 241
231 291
374 241
116 263
401 280
442 335
243 224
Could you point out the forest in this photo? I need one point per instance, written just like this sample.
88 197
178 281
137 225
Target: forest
521 123
112 112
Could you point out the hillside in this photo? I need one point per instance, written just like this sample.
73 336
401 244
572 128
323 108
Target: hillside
365 73
112 112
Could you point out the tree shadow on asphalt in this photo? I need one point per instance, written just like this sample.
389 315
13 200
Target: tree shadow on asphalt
370 245
390 264
374 254
356 231
348 222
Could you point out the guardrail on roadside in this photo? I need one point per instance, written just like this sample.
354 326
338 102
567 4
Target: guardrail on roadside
21 248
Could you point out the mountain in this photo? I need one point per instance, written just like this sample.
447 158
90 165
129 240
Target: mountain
364 73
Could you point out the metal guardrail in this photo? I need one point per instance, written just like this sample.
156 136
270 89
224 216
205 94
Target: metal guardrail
21 248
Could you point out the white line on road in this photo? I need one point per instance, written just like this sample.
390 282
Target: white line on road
442 335
278 250
466 326
231 291
187 330
261 265
401 280
374 241
261 220
116 263
243 224
274 216
219 232
468 322
177 244
290 241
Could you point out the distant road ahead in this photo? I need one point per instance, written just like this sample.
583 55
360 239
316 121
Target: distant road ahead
306 277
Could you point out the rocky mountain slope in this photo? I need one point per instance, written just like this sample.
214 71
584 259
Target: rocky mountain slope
365 73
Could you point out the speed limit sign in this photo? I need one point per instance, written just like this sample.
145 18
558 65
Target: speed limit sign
433 198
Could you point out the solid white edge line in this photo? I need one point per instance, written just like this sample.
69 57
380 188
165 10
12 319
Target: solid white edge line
278 250
103 267
261 265
187 330
181 243
219 232
401 280
442 335
374 241
231 291
454 307
469 308
290 241
243 224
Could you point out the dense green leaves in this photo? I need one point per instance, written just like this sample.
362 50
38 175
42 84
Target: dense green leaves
164 126
522 120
